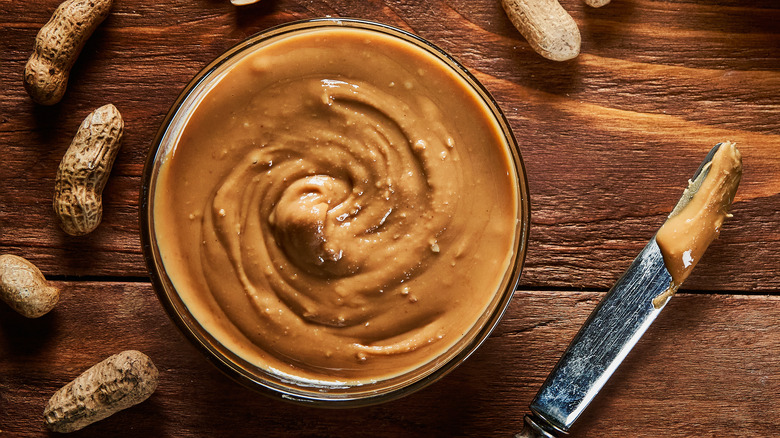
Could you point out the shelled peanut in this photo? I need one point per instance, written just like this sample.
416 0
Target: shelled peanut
549 29
57 46
24 288
118 382
84 171
596 3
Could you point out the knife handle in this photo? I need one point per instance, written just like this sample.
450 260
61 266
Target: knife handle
533 428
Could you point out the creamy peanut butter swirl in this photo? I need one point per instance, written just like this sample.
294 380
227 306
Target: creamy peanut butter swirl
331 219
346 217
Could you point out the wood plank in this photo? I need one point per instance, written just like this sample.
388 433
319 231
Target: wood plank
609 139
707 367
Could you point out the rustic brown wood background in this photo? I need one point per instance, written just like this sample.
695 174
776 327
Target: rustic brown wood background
608 140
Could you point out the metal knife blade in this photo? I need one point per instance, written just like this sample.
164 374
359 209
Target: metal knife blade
607 336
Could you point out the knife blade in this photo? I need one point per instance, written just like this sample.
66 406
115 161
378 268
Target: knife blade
610 332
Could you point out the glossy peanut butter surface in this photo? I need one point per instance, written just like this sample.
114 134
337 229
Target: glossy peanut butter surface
687 233
340 207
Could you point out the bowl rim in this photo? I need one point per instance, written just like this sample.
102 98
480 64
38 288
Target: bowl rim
227 366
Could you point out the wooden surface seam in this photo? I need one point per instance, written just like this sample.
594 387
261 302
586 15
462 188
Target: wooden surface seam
608 139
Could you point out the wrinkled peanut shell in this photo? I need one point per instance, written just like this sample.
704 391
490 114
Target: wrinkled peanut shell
549 29
121 381
596 3
23 287
84 170
57 46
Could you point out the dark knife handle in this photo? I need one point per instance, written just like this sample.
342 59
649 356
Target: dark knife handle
534 428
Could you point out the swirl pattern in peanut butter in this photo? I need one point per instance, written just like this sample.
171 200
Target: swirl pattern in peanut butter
340 207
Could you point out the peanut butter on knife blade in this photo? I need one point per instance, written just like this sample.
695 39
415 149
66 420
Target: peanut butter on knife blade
637 297
696 220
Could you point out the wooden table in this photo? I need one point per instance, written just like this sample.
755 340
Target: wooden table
609 140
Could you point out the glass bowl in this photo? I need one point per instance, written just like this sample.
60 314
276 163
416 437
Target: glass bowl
282 385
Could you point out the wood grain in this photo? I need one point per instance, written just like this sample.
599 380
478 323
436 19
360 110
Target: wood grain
609 139
717 351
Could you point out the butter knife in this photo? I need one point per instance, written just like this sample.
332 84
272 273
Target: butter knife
611 331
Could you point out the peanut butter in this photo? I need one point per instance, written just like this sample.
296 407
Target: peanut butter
689 230
340 207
